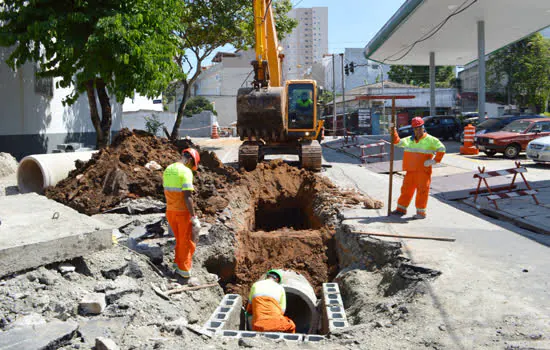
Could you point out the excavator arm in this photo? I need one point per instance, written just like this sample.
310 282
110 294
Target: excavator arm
267 66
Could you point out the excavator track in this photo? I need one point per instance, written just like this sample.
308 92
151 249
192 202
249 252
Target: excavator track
311 155
249 155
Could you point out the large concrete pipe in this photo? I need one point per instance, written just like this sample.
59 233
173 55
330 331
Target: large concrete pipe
301 302
38 171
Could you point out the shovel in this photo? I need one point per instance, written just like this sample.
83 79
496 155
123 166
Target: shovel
166 295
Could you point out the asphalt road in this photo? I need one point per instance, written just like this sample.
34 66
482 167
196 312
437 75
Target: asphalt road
495 277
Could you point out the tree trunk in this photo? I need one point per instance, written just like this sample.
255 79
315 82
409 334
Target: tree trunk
186 92
106 113
90 91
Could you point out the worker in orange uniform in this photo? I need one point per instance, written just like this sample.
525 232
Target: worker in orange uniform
417 162
178 185
267 304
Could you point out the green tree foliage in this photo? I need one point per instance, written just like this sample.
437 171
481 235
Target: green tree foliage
104 48
523 69
197 104
420 75
207 25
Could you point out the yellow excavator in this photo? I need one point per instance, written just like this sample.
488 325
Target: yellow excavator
273 118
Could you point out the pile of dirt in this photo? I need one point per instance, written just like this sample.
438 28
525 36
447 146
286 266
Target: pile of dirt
125 170
8 164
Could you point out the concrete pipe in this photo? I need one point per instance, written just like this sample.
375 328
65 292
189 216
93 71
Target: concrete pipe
301 302
38 171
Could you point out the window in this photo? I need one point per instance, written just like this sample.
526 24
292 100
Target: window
447 121
42 86
541 127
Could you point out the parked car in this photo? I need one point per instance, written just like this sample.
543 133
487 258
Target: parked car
539 149
514 137
441 126
496 124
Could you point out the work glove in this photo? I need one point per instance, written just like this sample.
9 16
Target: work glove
196 228
429 162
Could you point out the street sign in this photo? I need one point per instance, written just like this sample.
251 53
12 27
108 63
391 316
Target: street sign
156 102
364 118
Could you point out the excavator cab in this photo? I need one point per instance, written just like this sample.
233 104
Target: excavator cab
302 108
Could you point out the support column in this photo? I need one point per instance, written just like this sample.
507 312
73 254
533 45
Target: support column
432 84
481 69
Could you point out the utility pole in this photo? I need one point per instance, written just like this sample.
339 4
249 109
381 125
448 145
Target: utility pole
343 94
333 97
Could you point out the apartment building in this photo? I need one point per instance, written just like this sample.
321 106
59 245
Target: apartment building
307 43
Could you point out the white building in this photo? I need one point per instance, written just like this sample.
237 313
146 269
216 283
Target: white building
33 118
366 71
307 43
220 82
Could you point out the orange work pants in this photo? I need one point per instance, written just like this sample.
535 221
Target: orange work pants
282 324
418 181
180 222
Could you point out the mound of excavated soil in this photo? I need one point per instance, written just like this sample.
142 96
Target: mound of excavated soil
119 172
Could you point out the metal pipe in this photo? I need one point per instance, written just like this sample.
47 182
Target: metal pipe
432 84
481 69
333 97
343 94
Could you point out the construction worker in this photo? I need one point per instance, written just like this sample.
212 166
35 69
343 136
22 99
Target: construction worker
304 103
267 304
180 212
417 162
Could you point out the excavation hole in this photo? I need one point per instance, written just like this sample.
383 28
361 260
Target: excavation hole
293 213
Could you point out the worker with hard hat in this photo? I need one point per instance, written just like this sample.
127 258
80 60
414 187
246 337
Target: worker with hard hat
418 159
267 304
180 212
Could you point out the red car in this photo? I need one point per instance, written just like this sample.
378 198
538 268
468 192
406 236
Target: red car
514 137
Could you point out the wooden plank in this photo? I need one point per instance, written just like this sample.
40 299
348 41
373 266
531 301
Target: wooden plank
444 239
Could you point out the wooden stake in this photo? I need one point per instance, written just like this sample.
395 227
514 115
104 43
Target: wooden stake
406 236
392 150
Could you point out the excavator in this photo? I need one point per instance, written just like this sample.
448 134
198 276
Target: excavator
272 117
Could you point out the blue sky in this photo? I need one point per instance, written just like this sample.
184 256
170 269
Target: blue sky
352 23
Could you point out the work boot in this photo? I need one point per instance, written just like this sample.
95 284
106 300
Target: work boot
419 216
397 213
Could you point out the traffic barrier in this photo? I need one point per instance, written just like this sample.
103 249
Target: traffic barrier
482 176
364 156
469 147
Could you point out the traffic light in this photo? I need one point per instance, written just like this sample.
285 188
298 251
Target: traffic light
346 69
351 67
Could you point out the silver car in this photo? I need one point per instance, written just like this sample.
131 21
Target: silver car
539 149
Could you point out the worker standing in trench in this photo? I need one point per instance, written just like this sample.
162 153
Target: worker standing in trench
417 162
180 211
267 304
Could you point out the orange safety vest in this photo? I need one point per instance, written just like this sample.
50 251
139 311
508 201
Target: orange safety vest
417 152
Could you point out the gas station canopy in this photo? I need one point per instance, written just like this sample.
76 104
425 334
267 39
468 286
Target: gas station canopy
448 28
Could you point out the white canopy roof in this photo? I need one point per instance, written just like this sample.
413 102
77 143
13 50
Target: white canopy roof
449 28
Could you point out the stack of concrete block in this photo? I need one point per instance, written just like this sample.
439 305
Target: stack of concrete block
226 316
306 338
334 315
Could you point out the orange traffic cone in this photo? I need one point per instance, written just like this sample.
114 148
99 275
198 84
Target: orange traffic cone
215 132
469 147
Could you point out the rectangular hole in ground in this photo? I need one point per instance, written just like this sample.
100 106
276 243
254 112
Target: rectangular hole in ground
292 213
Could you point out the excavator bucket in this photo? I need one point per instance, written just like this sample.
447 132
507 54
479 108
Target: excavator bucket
260 114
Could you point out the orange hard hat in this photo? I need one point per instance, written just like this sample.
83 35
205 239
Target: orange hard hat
416 122
195 155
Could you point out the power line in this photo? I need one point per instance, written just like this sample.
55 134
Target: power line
431 33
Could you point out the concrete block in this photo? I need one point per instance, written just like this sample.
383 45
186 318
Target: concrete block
238 334
227 315
333 299
103 343
26 244
52 335
283 336
338 324
309 338
92 304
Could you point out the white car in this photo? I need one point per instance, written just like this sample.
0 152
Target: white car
539 149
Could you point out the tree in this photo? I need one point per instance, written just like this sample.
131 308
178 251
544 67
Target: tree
208 25
197 104
420 75
523 69
116 47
